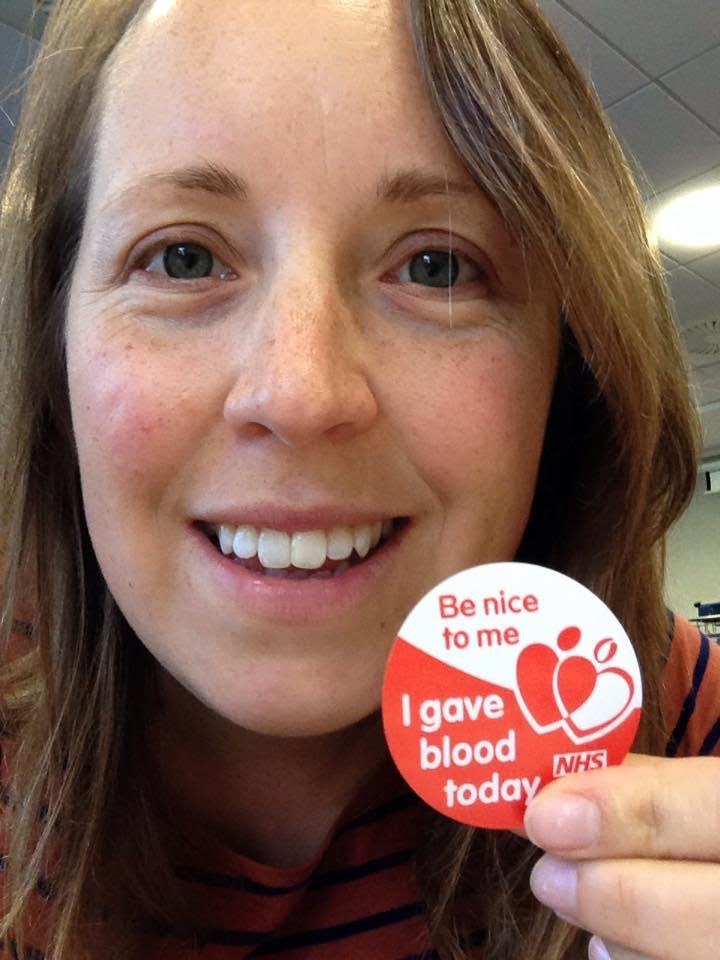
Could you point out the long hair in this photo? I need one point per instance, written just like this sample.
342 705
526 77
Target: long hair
617 468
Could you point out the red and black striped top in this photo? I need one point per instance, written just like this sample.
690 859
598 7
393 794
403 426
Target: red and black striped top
357 898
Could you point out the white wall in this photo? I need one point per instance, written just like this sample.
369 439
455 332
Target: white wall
693 554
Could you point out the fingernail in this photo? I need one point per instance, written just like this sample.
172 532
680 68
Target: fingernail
554 883
562 823
597 950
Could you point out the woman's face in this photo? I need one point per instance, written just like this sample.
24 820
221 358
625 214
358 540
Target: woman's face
265 329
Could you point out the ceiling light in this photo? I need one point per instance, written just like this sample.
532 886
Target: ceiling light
691 220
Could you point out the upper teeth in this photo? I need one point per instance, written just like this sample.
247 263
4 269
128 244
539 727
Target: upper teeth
306 549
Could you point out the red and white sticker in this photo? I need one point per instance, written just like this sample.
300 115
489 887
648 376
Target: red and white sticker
502 678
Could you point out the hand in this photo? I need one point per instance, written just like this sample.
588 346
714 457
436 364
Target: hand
634 857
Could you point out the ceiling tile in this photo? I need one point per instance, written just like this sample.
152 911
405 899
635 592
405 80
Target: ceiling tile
707 381
16 53
708 268
697 83
4 157
705 362
657 35
19 14
706 386
711 434
16 13
702 344
694 299
667 142
686 255
9 115
612 74
668 262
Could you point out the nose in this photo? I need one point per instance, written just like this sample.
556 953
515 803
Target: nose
305 375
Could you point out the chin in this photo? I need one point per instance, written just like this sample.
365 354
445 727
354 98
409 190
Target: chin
282 725
286 713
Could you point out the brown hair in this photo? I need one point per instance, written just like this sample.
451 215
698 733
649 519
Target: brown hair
617 467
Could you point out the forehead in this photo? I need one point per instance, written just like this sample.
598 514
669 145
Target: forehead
324 89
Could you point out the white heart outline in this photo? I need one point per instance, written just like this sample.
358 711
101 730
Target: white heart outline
562 723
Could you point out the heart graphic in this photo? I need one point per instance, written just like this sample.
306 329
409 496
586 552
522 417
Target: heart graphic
534 673
611 695
576 678
571 694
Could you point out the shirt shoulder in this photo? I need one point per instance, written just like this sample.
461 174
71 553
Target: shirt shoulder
691 692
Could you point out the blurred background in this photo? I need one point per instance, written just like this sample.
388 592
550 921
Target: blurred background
656 67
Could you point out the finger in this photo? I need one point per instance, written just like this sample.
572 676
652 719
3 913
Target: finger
663 909
649 807
601 950
638 759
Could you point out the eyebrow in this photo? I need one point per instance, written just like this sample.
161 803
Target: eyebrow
208 177
404 186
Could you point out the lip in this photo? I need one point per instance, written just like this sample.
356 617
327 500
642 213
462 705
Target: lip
271 517
293 601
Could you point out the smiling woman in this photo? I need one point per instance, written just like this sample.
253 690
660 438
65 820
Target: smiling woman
279 335
307 307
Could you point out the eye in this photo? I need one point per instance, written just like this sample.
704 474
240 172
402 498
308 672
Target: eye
187 261
440 269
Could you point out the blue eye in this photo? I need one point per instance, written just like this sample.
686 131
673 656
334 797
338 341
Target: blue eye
187 261
440 269
437 268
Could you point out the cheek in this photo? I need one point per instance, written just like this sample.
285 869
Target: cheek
482 418
128 421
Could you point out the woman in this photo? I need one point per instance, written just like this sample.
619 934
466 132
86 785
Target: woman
311 306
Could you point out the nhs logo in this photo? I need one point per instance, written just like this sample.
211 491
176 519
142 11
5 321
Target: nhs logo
578 762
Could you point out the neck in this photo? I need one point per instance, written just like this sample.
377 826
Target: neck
273 799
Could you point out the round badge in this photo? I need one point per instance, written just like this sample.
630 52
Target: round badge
502 678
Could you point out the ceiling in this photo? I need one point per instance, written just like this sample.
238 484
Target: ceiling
656 67
20 13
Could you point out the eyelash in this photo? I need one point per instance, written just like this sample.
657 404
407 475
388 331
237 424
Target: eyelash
144 258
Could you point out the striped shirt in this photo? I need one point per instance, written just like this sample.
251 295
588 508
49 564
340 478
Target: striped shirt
358 898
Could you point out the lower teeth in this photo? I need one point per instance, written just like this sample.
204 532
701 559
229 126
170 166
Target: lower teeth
292 573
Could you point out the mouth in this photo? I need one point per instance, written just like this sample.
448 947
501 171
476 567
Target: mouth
304 554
